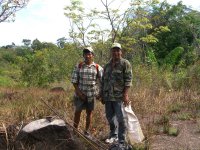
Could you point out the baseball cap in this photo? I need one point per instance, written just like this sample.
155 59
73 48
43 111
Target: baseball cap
116 45
89 49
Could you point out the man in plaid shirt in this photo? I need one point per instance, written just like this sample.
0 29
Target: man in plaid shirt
85 78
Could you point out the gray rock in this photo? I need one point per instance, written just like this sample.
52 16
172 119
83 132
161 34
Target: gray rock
47 134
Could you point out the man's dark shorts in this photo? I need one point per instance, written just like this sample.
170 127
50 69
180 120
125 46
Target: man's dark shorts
81 105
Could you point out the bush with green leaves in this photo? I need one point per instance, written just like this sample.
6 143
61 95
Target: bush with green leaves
173 57
193 76
49 65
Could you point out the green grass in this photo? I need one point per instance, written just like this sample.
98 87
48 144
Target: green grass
184 116
6 81
24 104
173 131
139 147
174 108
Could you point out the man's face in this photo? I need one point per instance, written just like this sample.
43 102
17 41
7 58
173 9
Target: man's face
116 53
88 56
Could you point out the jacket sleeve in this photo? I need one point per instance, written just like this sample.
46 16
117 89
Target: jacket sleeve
127 73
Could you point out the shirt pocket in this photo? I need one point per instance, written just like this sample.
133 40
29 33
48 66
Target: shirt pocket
117 75
106 80
118 85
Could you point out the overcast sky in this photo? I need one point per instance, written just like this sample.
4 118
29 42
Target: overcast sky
45 20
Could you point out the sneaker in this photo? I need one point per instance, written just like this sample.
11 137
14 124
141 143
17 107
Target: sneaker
122 145
111 140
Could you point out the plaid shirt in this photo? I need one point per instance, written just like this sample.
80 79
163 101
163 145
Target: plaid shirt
86 78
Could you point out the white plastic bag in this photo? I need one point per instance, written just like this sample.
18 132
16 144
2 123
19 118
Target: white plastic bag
134 131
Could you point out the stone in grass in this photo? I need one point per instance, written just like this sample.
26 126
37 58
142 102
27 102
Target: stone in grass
47 134
173 131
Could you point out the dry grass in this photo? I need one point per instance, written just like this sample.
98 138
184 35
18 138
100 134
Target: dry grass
17 105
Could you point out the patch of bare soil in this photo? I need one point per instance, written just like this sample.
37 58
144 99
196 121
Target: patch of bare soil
187 139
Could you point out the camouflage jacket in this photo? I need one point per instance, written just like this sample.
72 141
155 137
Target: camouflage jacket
115 79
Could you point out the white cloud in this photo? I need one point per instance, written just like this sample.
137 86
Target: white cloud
44 20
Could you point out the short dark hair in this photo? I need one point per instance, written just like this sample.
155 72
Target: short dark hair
86 51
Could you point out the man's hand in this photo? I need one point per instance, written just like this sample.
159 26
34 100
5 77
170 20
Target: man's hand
98 97
126 99
102 101
81 95
125 96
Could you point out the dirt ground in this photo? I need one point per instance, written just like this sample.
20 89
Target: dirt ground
187 139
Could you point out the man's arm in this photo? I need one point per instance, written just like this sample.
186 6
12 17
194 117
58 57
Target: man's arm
79 93
128 82
75 81
125 95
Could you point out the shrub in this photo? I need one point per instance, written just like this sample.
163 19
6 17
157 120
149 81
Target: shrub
6 81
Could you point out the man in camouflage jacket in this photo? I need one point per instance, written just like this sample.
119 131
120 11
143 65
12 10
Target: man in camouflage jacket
117 79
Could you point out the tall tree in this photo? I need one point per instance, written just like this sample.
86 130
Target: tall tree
26 42
183 23
61 42
37 45
129 26
81 22
114 15
8 8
